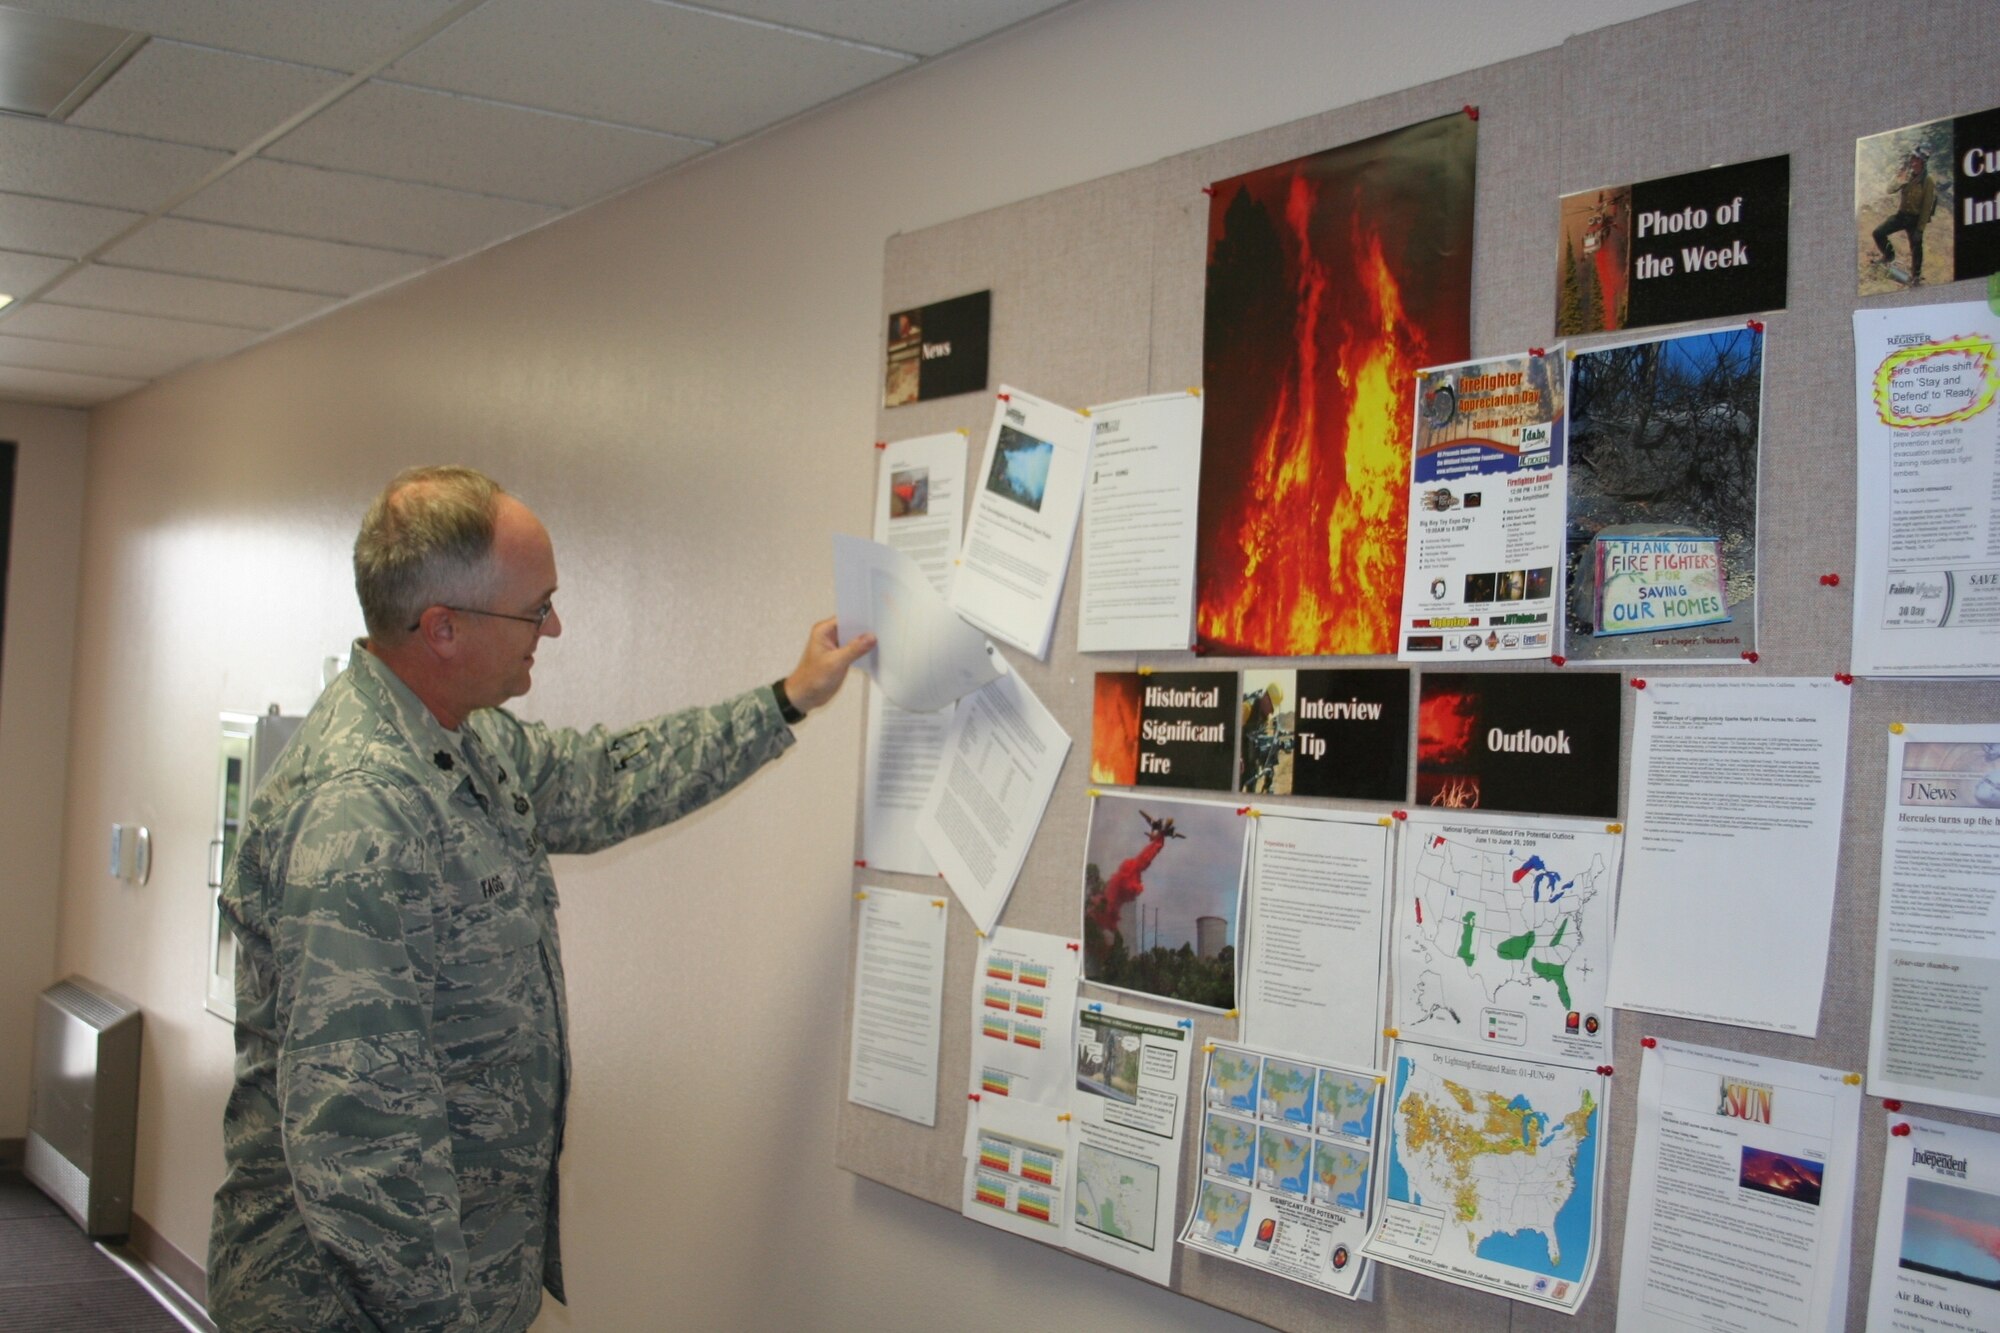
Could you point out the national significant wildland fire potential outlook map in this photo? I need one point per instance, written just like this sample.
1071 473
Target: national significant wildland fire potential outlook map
1503 935
1492 1172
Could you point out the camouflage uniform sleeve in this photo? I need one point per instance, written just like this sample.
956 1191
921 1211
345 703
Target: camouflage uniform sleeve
361 1104
592 789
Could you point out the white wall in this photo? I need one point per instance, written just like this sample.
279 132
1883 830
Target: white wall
683 383
35 666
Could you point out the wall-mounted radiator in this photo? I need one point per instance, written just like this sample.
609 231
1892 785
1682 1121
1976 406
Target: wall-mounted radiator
83 1122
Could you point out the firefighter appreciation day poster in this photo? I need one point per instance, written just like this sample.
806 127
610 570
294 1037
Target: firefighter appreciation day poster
1331 280
1703 245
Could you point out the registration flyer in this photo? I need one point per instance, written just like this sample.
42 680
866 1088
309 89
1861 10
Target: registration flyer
1488 482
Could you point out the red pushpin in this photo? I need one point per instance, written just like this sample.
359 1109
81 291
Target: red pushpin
1472 111
1401 814
1649 1042
1604 1070
1208 190
1901 1131
1638 682
1750 658
1891 1104
1557 659
1829 580
1843 678
1535 352
1756 326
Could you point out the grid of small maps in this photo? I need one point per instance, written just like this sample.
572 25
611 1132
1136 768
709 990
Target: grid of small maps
1286 1154
1013 1010
1016 1176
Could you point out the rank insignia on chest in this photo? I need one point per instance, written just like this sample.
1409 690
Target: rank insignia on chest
520 804
492 885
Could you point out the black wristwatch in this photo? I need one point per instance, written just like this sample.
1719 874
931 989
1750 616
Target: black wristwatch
786 708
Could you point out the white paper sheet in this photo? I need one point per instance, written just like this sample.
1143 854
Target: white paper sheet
1313 981
1138 525
898 1004
925 656
1937 931
920 511
1023 1012
1125 1142
1742 1195
1027 497
1737 789
1937 1268
1489 480
1287 1159
920 502
1001 761
904 750
1502 933
1017 1170
1455 1200
1926 564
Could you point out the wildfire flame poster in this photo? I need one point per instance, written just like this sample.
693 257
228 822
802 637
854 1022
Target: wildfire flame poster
1331 280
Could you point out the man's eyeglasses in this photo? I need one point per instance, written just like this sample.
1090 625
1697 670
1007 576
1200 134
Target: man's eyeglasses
538 619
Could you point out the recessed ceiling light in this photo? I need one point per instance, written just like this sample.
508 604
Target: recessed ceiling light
49 65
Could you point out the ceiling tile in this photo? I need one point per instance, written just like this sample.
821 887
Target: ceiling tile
444 139
86 359
138 292
21 274
93 167
640 63
338 34
60 387
209 250
188 94
361 210
52 227
110 328
925 28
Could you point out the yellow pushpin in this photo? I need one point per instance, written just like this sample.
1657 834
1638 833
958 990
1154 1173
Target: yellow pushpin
1092 791
1895 728
1064 1116
1391 1033
1852 1080
1234 1013
1194 391
1208 1049
980 933
1145 671
1380 1079
966 433
937 902
859 894
1614 828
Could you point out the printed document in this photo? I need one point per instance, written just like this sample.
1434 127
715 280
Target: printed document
1002 756
1937 1236
1125 1140
898 1003
1937 931
1023 1009
1287 1160
1493 1173
1737 790
1318 901
919 510
1927 539
1501 934
1138 525
1742 1194
925 656
1025 504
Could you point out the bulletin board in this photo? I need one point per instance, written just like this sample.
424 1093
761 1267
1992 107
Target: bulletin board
1098 296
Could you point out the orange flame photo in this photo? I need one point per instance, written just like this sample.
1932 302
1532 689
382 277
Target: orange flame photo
1331 280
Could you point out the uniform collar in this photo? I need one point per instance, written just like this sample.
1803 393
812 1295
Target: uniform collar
433 751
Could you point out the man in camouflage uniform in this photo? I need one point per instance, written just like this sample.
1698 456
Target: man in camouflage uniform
401 1065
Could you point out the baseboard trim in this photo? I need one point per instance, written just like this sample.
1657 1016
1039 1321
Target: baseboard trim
13 1154
163 1256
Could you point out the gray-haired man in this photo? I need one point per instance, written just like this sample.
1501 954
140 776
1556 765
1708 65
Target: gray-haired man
393 1135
